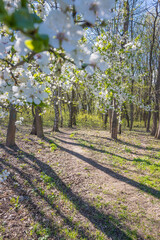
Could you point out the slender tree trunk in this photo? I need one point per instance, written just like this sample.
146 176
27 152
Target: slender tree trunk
70 123
157 135
145 118
105 120
150 66
148 121
72 110
74 114
120 124
110 119
39 124
60 106
11 131
34 127
141 116
125 31
114 128
74 107
131 116
132 69
56 110
126 115
84 102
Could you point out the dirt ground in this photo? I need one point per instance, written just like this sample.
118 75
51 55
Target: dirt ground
80 184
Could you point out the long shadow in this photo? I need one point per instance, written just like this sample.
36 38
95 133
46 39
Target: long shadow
28 203
54 229
145 155
127 143
106 223
106 138
45 197
110 172
145 161
104 151
136 146
110 153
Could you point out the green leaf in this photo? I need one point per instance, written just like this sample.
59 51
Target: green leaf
3 12
21 19
38 45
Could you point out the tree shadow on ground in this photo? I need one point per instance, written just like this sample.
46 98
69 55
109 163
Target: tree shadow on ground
34 209
125 143
136 146
107 152
106 223
28 203
110 172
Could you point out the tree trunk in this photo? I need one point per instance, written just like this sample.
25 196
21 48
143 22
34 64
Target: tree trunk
105 120
34 127
155 120
114 128
148 121
131 116
39 124
110 119
145 118
60 107
120 125
74 107
150 66
72 110
158 131
56 110
11 131
157 135
70 123
132 69
84 102
126 115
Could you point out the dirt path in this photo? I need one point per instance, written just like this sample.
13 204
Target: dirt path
74 192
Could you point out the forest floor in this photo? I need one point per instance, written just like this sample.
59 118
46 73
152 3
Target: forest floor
80 184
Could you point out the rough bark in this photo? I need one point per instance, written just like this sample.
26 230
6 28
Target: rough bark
148 121
11 131
132 69
114 128
105 120
131 116
60 107
72 110
70 122
157 135
39 124
74 107
56 110
156 108
155 120
84 102
34 127
126 115
150 67
120 125
110 119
